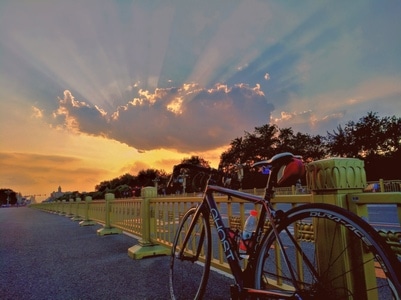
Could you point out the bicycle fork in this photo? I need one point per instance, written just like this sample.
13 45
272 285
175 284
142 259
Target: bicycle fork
181 255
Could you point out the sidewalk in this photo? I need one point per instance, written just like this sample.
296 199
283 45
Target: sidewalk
47 256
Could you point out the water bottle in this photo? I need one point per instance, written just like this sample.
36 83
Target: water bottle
249 227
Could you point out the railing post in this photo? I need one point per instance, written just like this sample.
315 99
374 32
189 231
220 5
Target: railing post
87 221
146 247
107 229
330 180
76 216
70 202
381 184
57 210
62 207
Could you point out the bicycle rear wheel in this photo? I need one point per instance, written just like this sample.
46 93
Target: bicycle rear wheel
332 254
189 271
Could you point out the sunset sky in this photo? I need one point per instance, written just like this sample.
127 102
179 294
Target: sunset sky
91 90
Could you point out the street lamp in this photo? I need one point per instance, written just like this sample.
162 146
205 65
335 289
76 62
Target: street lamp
240 173
184 181
156 182
8 192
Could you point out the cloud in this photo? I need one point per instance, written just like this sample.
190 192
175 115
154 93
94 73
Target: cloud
188 118
135 167
310 121
79 116
337 107
37 113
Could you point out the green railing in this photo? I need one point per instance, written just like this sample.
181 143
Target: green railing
154 219
156 223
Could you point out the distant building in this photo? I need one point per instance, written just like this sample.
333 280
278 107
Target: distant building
57 194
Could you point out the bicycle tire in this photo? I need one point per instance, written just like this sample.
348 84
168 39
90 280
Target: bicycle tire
189 274
348 245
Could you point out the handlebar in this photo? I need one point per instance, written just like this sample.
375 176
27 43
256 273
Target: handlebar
268 166
201 169
276 160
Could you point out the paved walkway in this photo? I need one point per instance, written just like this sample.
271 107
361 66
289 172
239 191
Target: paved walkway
47 256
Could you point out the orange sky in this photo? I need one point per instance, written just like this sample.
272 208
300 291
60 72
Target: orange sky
91 90
43 158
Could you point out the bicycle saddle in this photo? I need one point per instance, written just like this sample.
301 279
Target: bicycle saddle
285 167
277 160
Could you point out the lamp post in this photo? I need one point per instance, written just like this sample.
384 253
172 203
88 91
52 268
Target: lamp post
8 192
240 173
156 182
184 181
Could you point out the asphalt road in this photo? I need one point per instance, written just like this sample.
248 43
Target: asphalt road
47 256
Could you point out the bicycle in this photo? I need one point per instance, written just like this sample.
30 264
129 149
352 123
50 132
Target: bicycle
283 262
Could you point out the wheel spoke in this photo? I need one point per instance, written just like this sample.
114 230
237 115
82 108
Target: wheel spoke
334 256
190 262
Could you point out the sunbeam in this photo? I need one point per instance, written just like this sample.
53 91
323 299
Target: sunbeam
118 85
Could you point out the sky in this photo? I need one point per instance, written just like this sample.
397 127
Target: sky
91 90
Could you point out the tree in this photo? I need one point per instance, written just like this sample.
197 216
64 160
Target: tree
8 196
189 178
102 186
196 160
128 184
370 136
236 152
393 133
341 142
309 147
147 177
375 140
252 147
262 144
267 138
127 179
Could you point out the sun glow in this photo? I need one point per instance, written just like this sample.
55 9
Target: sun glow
175 105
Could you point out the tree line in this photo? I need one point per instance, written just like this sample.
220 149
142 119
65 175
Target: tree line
376 140
373 139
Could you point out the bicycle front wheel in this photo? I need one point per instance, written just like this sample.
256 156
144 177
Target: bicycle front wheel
331 254
190 262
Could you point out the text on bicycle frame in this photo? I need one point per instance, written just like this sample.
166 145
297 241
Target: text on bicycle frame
222 234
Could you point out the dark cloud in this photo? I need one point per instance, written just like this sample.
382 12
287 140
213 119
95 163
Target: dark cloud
188 118
25 159
80 116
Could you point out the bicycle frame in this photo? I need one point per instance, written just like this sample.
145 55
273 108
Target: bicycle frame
265 245
209 208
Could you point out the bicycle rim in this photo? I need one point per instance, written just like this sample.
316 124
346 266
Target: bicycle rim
333 254
189 273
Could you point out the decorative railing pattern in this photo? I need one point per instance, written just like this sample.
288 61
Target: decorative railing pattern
164 214
154 219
